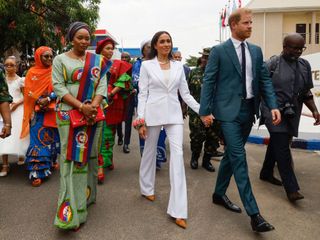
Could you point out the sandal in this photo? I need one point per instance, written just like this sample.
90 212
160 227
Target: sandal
5 170
36 182
20 162
100 175
55 166
111 167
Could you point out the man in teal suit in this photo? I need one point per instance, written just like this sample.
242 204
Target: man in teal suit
235 80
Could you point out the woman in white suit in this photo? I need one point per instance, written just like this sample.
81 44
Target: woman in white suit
160 80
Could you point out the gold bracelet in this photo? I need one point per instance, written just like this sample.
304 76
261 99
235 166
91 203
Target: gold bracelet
8 125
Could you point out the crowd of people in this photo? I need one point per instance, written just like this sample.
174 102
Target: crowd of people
65 112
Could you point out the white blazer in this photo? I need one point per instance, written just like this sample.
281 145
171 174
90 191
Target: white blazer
158 103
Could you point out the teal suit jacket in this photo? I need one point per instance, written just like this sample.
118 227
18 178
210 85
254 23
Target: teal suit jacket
221 92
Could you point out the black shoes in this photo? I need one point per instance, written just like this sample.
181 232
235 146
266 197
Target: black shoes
194 164
224 201
206 164
126 148
271 180
294 196
259 224
120 141
217 154
194 160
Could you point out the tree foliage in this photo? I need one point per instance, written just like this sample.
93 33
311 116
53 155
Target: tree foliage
32 23
192 61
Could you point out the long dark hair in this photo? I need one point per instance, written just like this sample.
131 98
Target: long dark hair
153 52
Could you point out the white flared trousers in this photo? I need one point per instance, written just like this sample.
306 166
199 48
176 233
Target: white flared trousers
178 203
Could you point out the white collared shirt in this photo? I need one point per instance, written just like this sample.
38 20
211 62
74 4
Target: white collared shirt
249 75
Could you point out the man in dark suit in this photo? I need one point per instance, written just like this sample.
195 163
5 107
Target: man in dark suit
235 79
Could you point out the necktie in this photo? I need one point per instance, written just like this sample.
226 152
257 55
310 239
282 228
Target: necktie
243 71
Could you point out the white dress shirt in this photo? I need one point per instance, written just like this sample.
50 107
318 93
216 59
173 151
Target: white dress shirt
249 75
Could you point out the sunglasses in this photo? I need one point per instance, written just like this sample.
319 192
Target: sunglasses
46 56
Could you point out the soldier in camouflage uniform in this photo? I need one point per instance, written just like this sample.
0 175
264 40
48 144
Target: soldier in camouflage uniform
199 134
5 100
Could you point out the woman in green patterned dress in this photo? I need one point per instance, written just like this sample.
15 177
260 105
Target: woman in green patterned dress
79 80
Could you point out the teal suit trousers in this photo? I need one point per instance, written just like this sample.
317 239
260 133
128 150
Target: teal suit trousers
234 162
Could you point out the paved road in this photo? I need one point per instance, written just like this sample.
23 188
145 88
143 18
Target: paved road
121 213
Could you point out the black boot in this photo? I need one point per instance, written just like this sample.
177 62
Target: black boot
206 162
194 160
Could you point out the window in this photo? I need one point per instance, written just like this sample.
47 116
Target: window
301 28
310 35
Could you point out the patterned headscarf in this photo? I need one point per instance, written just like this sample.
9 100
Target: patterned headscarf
37 81
75 27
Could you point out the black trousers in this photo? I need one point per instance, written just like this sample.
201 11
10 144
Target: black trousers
119 131
128 122
279 151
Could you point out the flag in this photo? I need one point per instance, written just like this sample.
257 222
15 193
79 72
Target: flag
239 3
234 6
228 11
224 16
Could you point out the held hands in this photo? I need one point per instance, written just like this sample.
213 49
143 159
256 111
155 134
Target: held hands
316 117
90 112
207 120
143 132
43 103
5 132
276 116
13 106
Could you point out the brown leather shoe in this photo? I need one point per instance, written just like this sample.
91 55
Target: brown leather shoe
294 196
150 197
181 223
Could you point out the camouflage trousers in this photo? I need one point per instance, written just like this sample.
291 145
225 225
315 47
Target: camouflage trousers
199 134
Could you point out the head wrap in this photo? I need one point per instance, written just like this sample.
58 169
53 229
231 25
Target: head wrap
143 43
37 82
75 27
101 44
